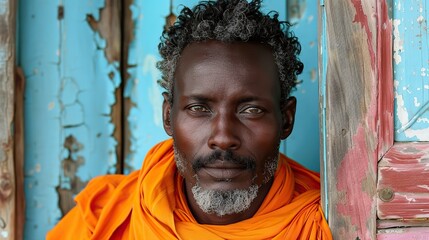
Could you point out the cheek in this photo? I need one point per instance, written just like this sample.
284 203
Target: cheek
189 136
264 134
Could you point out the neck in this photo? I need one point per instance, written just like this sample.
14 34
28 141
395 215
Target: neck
213 219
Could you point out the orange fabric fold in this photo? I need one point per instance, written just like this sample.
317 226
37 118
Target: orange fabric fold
150 204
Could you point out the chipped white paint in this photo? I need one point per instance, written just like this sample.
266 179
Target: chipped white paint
416 102
423 72
423 186
423 120
4 234
420 19
410 199
401 110
397 42
154 91
419 133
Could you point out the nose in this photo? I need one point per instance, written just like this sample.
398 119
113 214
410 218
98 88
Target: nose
224 132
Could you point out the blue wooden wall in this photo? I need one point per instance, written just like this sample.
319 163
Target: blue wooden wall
411 70
68 99
75 84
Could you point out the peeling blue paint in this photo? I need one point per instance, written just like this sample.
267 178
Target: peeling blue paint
69 92
303 144
411 70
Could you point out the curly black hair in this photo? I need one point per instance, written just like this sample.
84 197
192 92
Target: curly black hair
231 21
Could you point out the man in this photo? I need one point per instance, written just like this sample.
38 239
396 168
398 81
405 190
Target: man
228 70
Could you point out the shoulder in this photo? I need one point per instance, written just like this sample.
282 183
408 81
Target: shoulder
305 179
99 187
80 222
100 191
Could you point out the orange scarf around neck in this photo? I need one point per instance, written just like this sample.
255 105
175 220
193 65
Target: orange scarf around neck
151 204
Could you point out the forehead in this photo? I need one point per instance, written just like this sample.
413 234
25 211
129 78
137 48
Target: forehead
245 66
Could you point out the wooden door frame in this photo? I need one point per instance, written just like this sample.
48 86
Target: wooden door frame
11 128
357 110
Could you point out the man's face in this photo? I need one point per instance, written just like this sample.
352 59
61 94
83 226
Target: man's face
226 119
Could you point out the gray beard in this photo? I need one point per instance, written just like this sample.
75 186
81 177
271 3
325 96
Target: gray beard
224 202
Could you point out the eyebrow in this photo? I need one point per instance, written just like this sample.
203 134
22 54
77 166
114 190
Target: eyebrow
199 98
206 99
249 99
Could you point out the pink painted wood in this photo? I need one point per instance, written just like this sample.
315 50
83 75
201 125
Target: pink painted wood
359 111
403 182
416 233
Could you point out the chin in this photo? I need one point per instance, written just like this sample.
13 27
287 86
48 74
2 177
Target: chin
224 201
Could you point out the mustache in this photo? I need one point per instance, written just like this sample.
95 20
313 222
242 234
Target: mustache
228 155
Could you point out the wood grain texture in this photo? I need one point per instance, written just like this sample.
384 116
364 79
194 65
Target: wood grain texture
414 233
403 172
7 87
19 153
357 118
401 223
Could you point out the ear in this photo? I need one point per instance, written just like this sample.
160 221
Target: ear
288 113
166 112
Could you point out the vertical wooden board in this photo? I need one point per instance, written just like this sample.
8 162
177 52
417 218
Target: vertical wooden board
144 117
19 153
385 108
42 156
411 75
7 87
71 84
351 116
303 144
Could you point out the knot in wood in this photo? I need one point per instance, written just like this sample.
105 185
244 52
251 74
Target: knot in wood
386 194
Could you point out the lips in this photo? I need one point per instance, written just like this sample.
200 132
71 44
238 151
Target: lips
223 170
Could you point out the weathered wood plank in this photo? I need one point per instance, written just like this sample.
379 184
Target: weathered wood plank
357 116
69 52
7 87
385 108
403 182
414 233
401 223
19 153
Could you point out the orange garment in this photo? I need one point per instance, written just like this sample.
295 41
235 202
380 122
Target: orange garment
150 204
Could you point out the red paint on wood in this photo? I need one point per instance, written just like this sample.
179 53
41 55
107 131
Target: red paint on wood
362 18
405 171
385 79
405 206
352 174
386 224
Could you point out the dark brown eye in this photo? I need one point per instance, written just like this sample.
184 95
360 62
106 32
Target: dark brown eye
198 108
252 110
